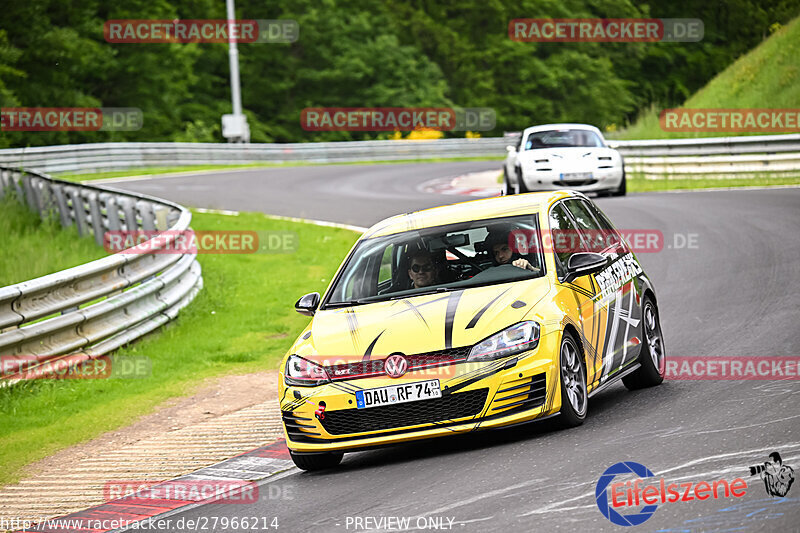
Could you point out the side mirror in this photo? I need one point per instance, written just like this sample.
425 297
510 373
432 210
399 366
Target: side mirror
510 149
307 304
584 263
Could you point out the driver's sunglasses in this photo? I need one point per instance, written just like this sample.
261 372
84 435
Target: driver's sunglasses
427 267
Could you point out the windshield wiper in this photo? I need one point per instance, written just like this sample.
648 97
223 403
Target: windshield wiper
423 293
348 303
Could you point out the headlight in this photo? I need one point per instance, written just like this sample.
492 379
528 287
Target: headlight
304 373
518 338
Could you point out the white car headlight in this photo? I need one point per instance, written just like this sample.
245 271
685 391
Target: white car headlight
518 338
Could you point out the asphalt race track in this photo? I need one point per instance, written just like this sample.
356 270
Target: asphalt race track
734 292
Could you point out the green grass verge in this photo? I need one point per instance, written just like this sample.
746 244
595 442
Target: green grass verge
202 168
766 77
242 321
31 247
638 184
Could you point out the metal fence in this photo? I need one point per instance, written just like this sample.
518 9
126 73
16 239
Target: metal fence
653 158
84 312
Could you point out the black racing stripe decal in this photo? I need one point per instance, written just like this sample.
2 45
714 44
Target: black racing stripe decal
416 312
344 388
518 304
494 369
581 290
449 318
371 346
480 313
407 309
352 325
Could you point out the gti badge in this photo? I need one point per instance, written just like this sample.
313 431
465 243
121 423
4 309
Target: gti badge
396 365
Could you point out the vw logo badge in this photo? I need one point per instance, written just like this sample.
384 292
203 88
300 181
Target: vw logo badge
395 365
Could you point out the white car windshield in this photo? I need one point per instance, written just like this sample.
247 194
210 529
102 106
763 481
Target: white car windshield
563 138
440 259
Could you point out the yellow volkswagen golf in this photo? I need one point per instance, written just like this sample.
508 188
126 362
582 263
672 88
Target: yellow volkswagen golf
470 316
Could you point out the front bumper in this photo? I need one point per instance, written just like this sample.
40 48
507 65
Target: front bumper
601 180
475 396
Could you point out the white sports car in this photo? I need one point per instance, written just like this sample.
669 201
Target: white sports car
563 156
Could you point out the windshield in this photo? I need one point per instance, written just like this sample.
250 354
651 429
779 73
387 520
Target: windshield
562 138
438 259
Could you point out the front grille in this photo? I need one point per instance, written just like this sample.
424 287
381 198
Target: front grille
576 183
448 407
362 369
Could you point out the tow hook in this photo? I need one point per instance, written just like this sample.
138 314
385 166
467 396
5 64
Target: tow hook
320 412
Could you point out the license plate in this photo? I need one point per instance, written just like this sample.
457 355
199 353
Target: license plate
577 176
406 392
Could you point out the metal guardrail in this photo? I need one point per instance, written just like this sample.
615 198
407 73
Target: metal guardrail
765 153
84 312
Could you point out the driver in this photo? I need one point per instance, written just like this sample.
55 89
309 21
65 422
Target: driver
502 254
422 270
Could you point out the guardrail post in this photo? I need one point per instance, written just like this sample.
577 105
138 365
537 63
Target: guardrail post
78 210
3 183
146 211
161 218
61 204
129 212
15 177
96 218
112 212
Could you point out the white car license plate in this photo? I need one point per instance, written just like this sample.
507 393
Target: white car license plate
577 176
407 392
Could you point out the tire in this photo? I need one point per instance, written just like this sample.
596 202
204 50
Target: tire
623 187
507 188
521 188
652 356
311 463
574 396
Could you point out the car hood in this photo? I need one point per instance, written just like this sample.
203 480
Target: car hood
566 154
418 324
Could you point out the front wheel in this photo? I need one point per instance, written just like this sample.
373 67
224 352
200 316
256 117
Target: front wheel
507 188
574 397
521 187
321 461
652 356
623 187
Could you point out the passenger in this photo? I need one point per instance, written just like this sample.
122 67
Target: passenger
502 254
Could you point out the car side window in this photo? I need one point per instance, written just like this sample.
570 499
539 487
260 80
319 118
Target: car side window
613 237
565 237
385 272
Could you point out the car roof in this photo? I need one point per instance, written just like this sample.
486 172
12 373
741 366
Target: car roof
565 126
485 208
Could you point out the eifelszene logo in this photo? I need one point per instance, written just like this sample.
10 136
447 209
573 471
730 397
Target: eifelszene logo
615 497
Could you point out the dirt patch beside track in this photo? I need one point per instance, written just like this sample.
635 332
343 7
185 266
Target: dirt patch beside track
227 416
